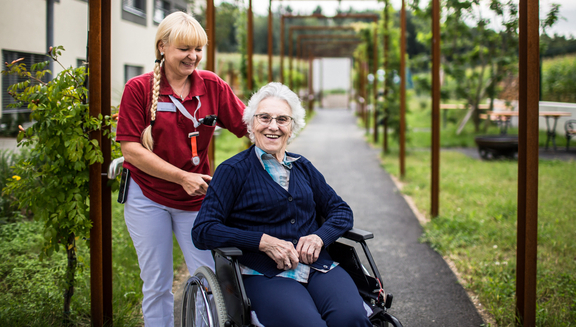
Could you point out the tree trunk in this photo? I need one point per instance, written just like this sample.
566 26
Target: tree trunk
69 277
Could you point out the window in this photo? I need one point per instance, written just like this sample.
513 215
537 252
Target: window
132 71
80 63
136 7
161 10
7 80
134 11
12 117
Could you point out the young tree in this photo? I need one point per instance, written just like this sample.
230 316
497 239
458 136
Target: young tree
53 180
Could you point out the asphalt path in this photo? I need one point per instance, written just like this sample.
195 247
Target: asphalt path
426 292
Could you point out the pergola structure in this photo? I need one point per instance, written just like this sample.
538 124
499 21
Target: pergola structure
100 103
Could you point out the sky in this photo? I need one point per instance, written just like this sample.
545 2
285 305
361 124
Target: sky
565 26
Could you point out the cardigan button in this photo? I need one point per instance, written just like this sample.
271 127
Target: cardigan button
325 267
295 241
293 221
290 199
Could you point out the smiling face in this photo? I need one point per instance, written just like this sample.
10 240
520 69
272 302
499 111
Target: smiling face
272 138
180 60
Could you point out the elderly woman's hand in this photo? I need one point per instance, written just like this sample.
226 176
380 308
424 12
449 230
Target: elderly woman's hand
282 252
309 248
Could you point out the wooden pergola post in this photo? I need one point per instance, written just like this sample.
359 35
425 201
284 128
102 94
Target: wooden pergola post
270 42
250 46
100 195
435 169
290 83
528 106
386 56
375 85
282 49
211 66
402 89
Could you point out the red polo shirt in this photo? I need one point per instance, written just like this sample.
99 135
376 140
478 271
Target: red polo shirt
171 129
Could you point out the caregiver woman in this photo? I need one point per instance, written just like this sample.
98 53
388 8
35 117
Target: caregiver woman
164 128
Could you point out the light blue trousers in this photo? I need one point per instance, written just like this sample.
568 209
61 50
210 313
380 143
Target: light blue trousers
151 226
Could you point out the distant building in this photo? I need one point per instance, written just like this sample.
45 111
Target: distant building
24 35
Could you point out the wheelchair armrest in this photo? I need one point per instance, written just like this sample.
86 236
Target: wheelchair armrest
358 235
229 251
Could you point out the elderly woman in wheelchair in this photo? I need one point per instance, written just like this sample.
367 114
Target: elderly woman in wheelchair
267 203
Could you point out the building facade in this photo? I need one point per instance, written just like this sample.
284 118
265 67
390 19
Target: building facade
24 35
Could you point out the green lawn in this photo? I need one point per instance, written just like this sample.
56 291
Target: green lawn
476 229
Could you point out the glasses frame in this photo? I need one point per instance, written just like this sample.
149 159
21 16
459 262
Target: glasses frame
274 118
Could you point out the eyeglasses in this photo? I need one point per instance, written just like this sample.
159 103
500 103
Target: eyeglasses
266 119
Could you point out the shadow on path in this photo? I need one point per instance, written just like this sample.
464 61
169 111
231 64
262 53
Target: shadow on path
426 292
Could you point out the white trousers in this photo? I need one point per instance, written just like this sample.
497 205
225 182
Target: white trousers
151 225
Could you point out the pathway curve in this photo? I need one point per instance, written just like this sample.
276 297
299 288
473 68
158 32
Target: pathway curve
426 292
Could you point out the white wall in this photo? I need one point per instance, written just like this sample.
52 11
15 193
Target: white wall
23 28
335 74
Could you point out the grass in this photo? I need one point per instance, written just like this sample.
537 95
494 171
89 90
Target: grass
476 227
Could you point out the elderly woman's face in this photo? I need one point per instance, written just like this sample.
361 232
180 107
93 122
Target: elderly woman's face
180 60
271 137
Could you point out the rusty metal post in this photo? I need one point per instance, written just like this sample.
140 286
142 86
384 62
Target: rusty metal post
402 89
386 56
211 66
290 84
282 49
528 106
95 100
375 85
250 45
106 146
310 82
270 42
435 169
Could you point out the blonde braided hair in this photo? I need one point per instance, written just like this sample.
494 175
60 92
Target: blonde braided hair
176 28
146 138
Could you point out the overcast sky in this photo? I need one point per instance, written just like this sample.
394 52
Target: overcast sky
565 26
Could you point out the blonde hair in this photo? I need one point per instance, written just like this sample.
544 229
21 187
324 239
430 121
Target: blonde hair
177 28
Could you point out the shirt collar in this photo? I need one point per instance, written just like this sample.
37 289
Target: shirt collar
286 162
198 87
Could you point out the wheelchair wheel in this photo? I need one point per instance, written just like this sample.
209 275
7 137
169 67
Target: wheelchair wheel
203 303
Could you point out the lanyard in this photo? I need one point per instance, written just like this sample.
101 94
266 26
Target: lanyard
185 112
193 145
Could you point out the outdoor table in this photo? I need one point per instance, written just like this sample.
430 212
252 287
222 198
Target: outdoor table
503 120
551 133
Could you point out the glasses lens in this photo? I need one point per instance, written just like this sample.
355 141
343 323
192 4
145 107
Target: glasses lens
264 118
282 120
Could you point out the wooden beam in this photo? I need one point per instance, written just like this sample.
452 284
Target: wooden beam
211 66
250 46
106 146
270 42
95 99
435 169
402 89
375 84
386 60
282 49
528 102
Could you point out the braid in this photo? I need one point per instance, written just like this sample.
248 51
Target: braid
147 140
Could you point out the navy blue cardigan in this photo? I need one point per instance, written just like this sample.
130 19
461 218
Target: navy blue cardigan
243 202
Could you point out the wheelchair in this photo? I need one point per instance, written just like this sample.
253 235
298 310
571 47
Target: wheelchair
219 299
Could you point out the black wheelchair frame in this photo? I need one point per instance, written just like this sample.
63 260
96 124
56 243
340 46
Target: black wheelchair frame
220 299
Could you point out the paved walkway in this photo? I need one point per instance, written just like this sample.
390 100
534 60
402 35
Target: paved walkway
426 292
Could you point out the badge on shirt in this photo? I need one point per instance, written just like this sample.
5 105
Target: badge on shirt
166 106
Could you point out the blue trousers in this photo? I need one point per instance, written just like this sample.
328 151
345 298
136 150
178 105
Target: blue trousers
328 299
